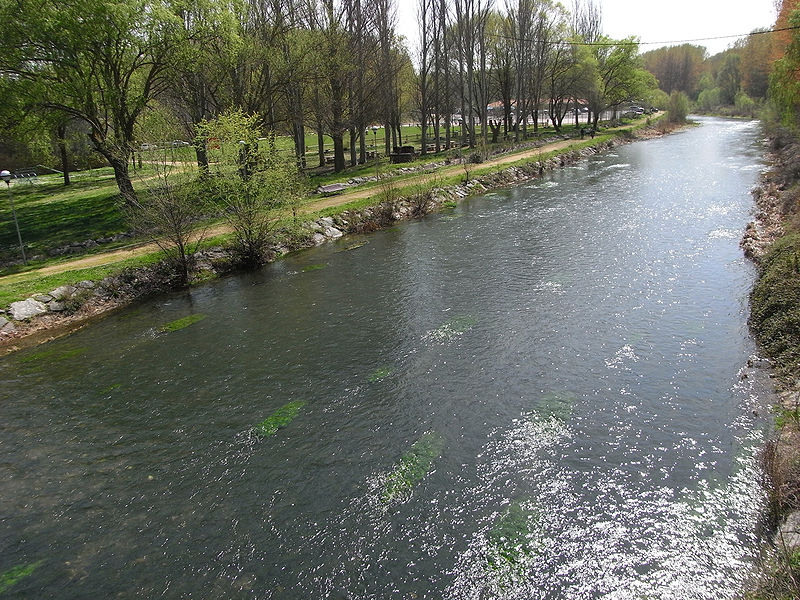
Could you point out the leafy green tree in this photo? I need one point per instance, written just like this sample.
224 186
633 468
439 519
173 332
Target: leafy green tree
709 99
201 75
729 78
99 62
676 67
658 98
620 76
745 105
784 86
756 50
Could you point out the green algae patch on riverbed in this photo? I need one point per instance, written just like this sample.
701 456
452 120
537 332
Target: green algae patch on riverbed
380 374
280 418
513 542
181 323
354 245
50 358
309 268
15 574
51 354
557 404
453 328
414 465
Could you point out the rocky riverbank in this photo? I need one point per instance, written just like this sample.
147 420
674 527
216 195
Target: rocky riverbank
772 240
67 308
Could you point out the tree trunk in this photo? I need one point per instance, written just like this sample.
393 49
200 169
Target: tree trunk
202 157
320 144
123 179
299 134
62 150
338 151
353 151
495 125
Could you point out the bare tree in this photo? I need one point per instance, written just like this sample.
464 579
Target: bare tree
425 56
520 15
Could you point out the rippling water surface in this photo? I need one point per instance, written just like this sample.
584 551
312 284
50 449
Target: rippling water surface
543 393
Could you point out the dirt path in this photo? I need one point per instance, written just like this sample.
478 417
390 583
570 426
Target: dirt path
443 172
115 256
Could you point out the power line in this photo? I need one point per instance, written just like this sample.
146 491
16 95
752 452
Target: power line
620 43
720 37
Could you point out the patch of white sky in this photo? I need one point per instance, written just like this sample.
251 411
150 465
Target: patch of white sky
656 24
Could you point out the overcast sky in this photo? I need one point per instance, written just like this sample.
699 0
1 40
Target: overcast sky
656 21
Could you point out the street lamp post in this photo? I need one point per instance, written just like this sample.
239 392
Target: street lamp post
6 176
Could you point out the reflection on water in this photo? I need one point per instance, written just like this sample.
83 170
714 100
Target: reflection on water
542 394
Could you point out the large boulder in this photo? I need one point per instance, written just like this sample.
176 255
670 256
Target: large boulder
26 309
332 232
64 291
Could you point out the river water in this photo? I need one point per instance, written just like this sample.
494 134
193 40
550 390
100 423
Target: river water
542 393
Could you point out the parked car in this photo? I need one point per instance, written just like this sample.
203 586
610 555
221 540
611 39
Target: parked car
179 143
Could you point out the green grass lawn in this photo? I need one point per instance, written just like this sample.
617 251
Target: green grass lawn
51 214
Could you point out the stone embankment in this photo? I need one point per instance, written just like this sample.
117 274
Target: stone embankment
767 224
67 307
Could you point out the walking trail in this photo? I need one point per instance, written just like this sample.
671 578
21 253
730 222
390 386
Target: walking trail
115 256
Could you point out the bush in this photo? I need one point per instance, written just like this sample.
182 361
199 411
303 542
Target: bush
708 100
775 300
170 212
254 183
745 105
678 107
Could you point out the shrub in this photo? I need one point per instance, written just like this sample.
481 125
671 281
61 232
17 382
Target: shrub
678 107
253 184
745 105
708 100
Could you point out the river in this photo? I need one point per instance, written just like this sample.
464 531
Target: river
542 393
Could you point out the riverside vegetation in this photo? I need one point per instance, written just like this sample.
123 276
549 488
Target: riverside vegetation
67 293
773 241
